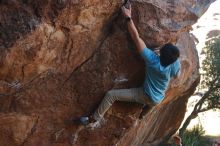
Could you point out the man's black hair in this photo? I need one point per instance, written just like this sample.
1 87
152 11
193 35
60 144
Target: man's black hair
169 54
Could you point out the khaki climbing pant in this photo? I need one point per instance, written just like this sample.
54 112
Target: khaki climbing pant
128 95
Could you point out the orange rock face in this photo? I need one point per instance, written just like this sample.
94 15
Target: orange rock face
58 58
15 128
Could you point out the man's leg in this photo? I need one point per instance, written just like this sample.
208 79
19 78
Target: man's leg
128 95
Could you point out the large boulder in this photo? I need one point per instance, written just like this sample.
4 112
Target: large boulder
58 58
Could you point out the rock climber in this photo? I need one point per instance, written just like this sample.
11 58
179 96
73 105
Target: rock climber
159 71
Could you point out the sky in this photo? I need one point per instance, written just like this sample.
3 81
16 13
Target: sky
206 23
210 120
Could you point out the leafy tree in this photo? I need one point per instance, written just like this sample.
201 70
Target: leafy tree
195 137
210 83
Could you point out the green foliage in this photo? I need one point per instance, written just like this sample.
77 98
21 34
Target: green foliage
195 137
211 73
210 83
211 63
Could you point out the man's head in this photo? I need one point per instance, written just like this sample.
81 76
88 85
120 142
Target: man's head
168 54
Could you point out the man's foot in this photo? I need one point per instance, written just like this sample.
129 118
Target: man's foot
144 111
91 122
86 120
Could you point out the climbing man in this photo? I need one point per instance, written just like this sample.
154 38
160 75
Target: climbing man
159 71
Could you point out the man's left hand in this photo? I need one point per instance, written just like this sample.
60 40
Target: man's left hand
126 12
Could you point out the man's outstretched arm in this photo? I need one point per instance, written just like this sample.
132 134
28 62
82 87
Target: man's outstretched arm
140 45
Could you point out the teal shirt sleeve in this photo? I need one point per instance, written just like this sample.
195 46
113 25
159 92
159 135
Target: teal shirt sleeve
175 68
149 56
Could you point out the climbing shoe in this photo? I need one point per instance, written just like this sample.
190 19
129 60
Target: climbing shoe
86 120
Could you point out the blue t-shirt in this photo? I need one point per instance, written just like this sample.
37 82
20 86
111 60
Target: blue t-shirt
157 77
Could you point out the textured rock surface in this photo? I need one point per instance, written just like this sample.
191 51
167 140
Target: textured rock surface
15 128
58 58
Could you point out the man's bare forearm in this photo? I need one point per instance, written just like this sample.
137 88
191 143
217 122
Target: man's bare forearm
132 29
135 36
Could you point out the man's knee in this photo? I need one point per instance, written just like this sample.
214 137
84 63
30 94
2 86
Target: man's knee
110 96
109 93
